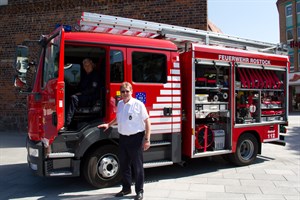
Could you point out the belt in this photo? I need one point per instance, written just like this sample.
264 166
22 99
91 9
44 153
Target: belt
142 132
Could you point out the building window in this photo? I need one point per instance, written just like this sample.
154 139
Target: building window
298 7
288 15
288 10
298 69
292 68
289 34
3 2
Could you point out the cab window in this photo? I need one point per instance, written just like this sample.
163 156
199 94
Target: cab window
116 66
149 67
50 70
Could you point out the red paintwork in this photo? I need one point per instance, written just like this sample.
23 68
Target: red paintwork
116 40
43 101
60 95
40 111
187 130
35 112
122 43
265 132
213 53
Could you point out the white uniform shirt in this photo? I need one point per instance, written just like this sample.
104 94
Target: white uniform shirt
131 116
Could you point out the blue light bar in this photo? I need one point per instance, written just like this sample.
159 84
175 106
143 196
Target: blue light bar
67 28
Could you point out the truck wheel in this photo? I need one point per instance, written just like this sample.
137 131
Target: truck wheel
102 167
246 150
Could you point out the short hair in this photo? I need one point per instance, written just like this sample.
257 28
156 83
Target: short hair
126 85
88 60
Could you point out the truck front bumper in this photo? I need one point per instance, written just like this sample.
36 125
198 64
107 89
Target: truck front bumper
35 156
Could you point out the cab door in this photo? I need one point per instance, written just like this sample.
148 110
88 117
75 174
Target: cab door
154 83
116 74
52 85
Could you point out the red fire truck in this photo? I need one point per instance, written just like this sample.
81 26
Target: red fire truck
207 94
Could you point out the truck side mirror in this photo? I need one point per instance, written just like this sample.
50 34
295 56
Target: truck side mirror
21 60
22 65
19 82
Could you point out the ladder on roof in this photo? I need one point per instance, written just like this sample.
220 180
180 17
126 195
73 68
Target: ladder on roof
93 22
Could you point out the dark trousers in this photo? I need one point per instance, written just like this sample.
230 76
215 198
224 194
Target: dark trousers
75 101
131 157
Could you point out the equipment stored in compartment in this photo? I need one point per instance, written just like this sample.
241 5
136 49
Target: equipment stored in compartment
204 138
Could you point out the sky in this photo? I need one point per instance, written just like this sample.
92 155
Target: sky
251 19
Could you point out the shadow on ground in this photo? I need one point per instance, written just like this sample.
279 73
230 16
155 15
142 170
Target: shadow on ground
12 139
27 185
18 182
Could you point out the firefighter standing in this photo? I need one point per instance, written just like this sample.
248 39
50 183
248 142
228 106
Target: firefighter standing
134 129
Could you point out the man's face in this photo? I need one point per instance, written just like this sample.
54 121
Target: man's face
88 67
126 94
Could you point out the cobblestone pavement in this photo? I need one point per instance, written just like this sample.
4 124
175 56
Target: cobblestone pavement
274 176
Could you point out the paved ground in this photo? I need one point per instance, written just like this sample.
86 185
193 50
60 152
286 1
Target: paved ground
274 176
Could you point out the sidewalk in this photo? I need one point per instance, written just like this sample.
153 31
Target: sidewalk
294 119
274 176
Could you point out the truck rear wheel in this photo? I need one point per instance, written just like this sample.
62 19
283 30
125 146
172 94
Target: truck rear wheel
102 167
246 150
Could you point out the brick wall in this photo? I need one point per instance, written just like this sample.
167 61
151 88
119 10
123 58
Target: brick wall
27 19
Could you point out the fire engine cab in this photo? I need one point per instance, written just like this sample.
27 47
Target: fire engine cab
206 94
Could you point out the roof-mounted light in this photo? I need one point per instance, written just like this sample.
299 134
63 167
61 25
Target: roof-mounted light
67 28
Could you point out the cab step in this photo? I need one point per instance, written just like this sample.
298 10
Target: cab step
61 155
158 163
60 173
160 143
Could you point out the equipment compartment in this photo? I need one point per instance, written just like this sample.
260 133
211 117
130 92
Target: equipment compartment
212 118
260 98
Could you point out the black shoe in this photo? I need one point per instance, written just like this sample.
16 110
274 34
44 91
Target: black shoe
123 193
139 196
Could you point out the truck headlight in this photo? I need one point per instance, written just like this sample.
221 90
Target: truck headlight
33 152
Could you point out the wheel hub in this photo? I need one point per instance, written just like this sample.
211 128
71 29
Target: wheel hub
247 149
108 167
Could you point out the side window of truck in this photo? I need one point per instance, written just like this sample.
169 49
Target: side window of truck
116 66
72 74
50 69
149 67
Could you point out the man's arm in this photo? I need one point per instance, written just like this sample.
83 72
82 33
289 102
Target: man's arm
147 134
147 128
106 126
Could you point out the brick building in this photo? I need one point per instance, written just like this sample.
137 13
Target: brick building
289 24
28 19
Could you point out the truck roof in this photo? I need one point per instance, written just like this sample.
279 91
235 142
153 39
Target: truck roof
119 40
180 36
239 55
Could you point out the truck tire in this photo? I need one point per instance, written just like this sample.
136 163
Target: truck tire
246 150
102 167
